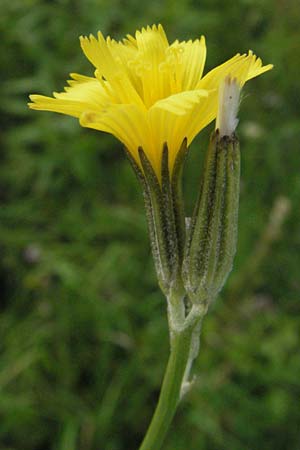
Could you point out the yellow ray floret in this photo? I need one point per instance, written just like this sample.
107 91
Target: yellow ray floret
146 91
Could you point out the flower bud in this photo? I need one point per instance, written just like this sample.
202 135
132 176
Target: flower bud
211 241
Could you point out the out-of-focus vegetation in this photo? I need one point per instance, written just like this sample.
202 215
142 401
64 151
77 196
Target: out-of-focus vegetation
83 331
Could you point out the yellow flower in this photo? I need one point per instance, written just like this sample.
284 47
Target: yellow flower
146 91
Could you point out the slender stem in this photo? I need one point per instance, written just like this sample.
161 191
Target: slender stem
170 390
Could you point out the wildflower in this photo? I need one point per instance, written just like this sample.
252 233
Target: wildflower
147 92
152 96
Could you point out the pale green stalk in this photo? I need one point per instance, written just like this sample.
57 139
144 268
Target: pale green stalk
184 337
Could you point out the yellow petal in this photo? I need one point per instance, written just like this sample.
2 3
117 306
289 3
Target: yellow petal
255 67
165 128
243 67
126 53
200 116
170 118
180 103
152 45
110 68
152 37
83 93
191 62
126 122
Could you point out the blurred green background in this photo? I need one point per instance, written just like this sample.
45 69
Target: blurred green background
83 331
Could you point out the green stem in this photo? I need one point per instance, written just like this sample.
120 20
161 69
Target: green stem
181 348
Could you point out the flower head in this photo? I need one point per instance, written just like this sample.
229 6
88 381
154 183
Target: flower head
147 92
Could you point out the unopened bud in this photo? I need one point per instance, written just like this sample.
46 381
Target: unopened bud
211 242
